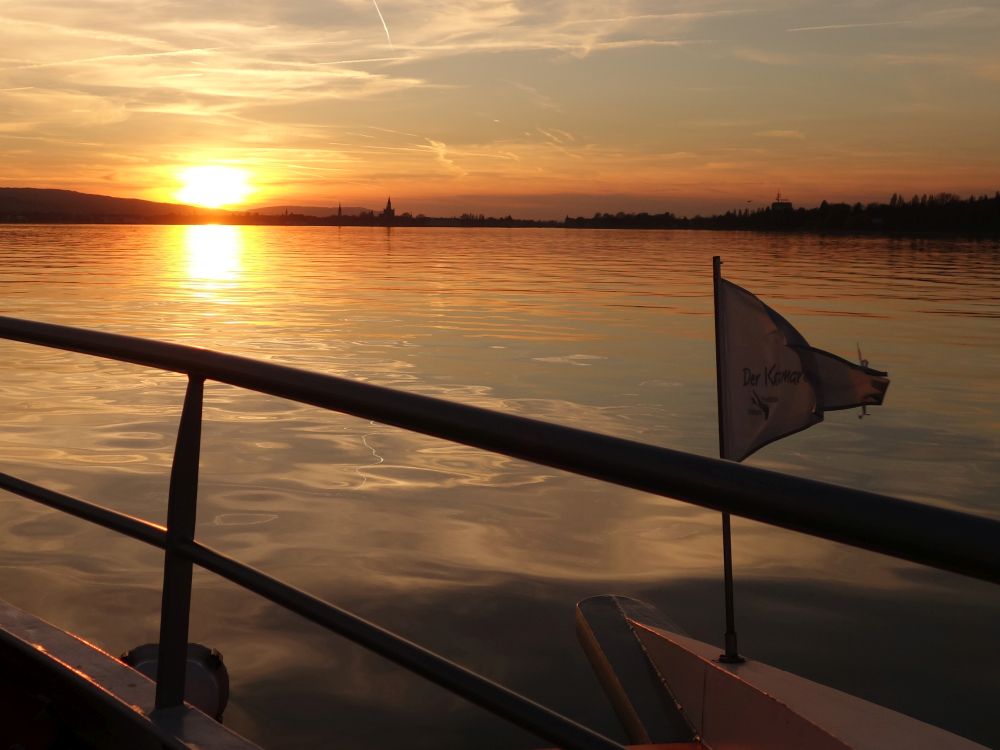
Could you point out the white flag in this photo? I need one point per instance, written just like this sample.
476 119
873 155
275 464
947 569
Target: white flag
771 382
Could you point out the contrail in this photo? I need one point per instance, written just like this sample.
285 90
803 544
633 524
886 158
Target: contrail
388 38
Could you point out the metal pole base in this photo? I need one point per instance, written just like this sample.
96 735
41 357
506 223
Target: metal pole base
732 653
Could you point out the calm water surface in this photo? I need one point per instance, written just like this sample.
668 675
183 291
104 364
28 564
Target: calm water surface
479 556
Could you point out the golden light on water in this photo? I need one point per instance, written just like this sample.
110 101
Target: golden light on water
213 186
213 252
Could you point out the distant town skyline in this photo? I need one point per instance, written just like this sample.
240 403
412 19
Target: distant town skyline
501 106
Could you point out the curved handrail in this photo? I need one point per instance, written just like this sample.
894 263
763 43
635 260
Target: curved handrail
942 538
938 537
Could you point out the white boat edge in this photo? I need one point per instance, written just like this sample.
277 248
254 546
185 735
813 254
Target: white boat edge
747 706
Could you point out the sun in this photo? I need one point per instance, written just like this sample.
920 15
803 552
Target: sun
213 187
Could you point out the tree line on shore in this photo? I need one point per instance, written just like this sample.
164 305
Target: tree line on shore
942 212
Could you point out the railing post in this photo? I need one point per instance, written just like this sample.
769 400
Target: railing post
175 607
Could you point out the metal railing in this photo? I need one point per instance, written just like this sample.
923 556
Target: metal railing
945 539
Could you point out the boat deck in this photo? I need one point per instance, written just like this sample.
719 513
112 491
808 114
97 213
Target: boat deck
71 685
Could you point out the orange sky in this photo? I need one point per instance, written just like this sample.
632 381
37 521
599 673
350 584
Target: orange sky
504 106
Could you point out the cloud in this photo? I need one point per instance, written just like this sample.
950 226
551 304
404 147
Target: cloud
556 135
843 26
535 96
28 108
126 56
765 57
21 27
974 16
679 19
440 150
577 28
979 65
271 52
795 135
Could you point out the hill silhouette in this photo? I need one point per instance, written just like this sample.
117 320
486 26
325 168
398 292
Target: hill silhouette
65 205
22 204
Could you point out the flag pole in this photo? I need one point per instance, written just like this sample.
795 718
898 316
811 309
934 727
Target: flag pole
732 652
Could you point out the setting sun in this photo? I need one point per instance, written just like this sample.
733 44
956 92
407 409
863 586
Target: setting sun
214 187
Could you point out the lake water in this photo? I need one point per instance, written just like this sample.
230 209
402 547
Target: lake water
477 556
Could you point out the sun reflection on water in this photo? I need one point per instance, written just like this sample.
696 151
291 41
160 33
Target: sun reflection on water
214 252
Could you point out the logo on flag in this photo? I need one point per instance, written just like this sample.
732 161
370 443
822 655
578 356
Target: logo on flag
771 382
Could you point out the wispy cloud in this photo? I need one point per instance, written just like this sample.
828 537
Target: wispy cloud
440 151
795 135
765 56
844 26
30 108
535 96
577 28
382 19
981 66
255 59
26 27
977 16
686 17
132 56
969 16
561 141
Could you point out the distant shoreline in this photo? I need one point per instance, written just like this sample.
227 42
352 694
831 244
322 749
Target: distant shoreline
943 214
985 234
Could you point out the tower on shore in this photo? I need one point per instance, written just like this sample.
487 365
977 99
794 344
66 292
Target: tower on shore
781 204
